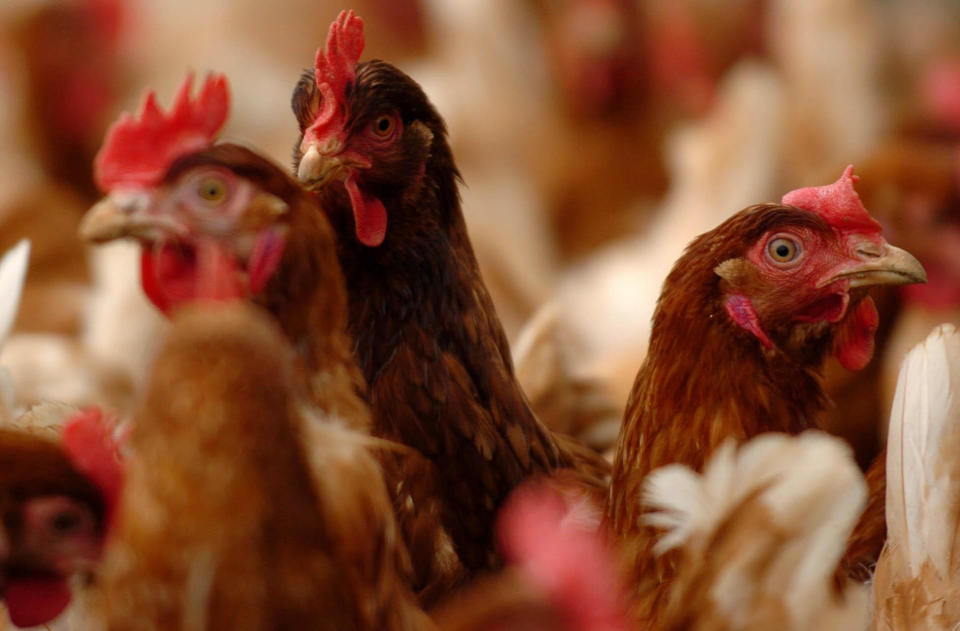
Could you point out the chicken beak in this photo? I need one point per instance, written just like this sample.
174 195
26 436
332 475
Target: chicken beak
324 163
881 264
123 215
316 169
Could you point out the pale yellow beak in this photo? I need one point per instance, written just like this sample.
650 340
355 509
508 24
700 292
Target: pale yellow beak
124 215
882 264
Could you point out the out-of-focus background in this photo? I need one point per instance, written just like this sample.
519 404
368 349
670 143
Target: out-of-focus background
596 138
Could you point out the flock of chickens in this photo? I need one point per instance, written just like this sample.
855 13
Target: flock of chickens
332 434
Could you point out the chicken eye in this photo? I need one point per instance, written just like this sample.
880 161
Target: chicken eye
213 190
383 126
783 250
65 522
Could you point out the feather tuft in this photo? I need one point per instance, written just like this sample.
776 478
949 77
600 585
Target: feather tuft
13 271
765 523
916 582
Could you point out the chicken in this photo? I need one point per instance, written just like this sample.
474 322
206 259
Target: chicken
562 573
916 582
759 534
436 360
228 519
56 502
187 200
744 321
221 221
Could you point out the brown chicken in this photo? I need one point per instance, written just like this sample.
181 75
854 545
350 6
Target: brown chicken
221 221
56 502
228 521
185 198
427 336
745 319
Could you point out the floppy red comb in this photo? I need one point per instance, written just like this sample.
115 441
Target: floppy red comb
138 150
335 67
838 203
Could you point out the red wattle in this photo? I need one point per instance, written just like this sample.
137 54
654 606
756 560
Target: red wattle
853 343
36 600
369 215
167 276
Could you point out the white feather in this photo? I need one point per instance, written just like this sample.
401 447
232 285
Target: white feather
13 271
812 494
924 421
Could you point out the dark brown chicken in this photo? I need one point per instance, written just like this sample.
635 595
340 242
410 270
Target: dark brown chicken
222 524
743 324
427 336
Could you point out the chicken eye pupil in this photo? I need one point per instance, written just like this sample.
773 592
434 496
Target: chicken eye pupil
783 250
64 522
383 126
212 190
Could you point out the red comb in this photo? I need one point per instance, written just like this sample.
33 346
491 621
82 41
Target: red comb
838 203
90 445
335 67
138 151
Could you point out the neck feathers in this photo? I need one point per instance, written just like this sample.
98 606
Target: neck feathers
704 380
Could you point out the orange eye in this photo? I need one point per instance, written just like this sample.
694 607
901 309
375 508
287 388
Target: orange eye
383 126
783 250
212 190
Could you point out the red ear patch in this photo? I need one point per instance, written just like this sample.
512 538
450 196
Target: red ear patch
741 311
138 150
837 203
335 67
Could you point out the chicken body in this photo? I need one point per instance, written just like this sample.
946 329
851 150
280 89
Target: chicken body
745 319
222 523
427 336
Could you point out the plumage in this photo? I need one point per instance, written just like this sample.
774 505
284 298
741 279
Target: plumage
13 270
217 558
916 581
758 535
